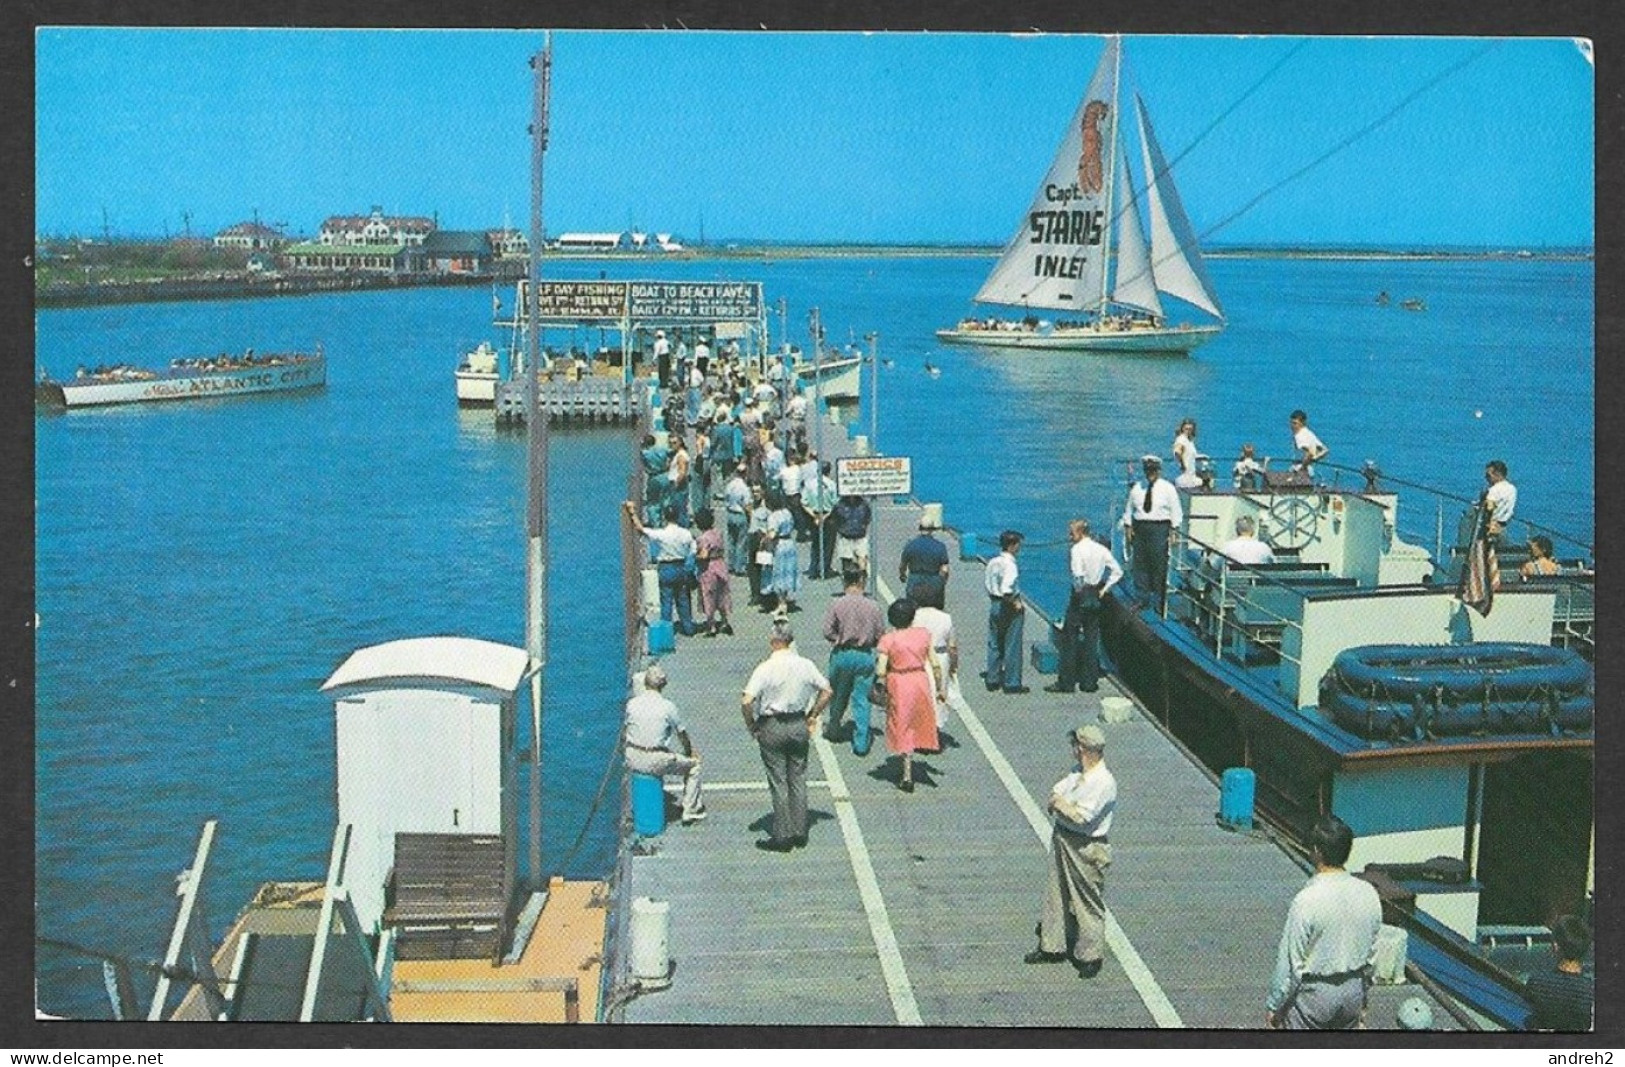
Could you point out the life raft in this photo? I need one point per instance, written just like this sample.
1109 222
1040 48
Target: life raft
1416 692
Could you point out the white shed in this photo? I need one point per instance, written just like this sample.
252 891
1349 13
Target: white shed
426 744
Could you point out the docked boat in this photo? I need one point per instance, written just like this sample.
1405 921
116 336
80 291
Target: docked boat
201 378
1059 272
1440 710
477 375
833 378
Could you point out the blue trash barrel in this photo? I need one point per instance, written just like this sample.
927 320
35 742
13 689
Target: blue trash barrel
662 638
1236 798
648 805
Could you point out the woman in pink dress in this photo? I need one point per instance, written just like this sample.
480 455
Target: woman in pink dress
716 598
911 700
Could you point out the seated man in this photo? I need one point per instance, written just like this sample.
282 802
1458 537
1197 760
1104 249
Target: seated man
657 743
1245 547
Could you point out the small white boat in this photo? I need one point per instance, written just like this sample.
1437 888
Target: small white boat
1060 257
834 379
201 378
477 376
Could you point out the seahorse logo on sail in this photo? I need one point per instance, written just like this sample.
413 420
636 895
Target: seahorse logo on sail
1091 176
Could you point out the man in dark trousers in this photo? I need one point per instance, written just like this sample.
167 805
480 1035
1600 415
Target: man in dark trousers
1563 995
1094 571
781 704
924 567
1153 513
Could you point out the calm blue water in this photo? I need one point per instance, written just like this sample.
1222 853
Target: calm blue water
203 568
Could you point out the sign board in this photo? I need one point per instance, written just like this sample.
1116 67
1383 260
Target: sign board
696 301
675 303
873 476
572 302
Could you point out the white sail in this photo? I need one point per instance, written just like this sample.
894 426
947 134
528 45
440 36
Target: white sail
1176 262
1057 258
1135 287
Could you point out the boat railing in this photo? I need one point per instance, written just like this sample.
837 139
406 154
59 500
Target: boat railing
1238 608
1453 519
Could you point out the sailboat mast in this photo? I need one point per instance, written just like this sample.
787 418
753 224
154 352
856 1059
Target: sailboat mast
1110 167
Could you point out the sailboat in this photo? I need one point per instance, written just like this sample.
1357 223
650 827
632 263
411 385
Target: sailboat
1056 269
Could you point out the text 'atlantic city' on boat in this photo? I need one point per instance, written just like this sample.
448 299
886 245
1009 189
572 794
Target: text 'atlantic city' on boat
1058 259
201 378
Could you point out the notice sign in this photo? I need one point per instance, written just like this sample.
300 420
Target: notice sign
873 476
582 301
696 301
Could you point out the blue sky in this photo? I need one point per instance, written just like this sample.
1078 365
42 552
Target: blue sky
803 136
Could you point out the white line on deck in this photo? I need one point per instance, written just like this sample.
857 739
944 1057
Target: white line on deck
1145 983
874 905
756 787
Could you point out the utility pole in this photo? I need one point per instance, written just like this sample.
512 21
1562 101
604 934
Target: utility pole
537 437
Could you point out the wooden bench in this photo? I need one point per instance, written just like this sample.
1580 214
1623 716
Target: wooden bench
449 896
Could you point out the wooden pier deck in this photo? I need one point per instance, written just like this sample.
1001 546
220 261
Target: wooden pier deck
916 909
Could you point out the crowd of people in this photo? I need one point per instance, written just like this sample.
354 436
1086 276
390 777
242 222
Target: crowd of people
903 661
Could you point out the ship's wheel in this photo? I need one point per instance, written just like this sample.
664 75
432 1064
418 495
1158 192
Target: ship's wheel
1293 521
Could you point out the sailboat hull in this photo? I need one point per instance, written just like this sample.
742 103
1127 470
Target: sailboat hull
1149 340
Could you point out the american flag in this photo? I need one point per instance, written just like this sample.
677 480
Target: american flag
1482 574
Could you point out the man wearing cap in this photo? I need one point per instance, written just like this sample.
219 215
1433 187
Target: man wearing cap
1323 967
1005 614
781 704
1152 513
657 742
924 567
1094 571
1081 807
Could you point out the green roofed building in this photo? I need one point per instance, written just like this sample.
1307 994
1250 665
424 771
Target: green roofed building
314 256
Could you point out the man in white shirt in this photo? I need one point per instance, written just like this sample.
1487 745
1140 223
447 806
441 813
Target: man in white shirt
662 353
657 742
1305 443
781 704
1094 571
736 501
1152 513
1081 807
1501 497
1245 547
1323 966
671 546
1004 617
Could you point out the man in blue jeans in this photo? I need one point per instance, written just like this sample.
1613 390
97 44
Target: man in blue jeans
1004 617
853 626
671 546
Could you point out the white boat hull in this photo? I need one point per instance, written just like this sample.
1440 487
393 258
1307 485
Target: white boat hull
307 373
1166 340
838 379
476 387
